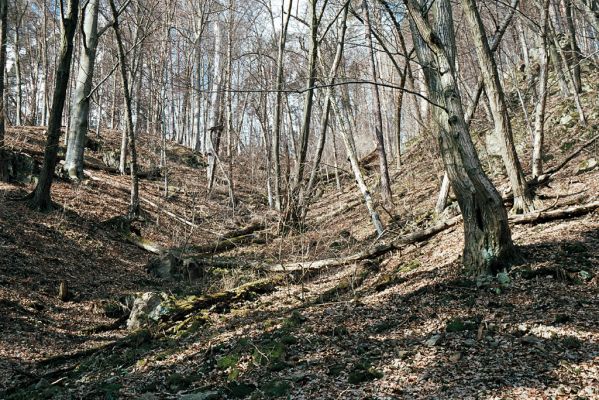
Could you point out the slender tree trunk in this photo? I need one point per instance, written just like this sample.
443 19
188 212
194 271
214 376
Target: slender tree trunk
293 213
539 126
386 194
41 196
276 135
18 76
355 166
79 124
215 124
523 200
134 202
488 246
3 38
574 58
324 122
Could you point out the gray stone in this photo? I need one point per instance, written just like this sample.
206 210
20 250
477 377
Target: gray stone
111 158
433 340
565 120
166 266
211 395
21 167
492 144
147 306
586 166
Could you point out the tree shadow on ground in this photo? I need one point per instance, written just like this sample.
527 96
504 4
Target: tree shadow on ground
434 336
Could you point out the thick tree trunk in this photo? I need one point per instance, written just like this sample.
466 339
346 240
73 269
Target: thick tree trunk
41 196
523 199
79 123
488 245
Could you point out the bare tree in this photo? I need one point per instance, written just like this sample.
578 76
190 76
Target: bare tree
41 199
523 199
134 201
488 245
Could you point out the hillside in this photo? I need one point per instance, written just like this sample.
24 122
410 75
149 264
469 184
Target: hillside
406 324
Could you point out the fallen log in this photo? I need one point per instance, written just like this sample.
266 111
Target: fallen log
224 244
369 253
545 216
420 236
183 308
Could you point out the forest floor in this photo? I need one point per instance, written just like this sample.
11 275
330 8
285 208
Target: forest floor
409 325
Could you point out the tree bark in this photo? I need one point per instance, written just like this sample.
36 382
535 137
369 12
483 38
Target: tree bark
488 245
539 125
3 38
293 214
79 123
41 196
386 194
523 199
276 134
134 201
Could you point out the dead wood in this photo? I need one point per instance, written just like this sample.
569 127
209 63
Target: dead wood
545 216
186 307
425 234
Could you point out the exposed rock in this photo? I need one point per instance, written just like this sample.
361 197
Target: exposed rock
147 306
170 266
586 166
211 395
566 120
433 340
20 167
492 144
164 267
111 158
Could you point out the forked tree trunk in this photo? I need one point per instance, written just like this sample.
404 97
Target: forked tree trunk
324 122
488 245
41 196
523 199
79 123
293 213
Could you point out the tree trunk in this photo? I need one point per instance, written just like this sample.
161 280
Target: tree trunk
538 138
575 56
488 245
134 202
215 123
3 38
386 194
293 213
41 196
523 200
355 166
324 122
79 123
276 135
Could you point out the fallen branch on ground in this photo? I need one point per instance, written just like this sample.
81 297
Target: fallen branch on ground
423 235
